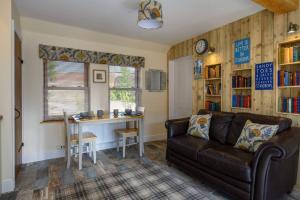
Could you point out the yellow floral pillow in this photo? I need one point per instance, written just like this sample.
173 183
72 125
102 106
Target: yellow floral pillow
199 126
253 135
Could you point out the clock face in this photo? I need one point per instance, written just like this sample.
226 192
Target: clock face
201 46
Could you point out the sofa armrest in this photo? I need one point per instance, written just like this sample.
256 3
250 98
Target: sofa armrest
281 149
177 127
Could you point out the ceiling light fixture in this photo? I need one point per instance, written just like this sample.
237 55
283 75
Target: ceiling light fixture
150 14
293 28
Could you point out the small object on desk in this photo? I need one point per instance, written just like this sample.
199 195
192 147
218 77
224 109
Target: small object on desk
116 112
100 113
128 111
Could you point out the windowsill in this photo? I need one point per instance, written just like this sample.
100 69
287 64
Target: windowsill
51 121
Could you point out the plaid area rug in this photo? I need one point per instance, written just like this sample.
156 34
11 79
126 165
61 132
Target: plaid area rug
145 182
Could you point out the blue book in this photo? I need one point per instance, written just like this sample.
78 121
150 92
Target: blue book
295 54
286 78
233 100
284 104
278 77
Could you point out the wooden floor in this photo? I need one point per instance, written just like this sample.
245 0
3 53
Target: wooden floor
38 180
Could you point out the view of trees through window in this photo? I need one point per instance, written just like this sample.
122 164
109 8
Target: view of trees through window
66 88
123 84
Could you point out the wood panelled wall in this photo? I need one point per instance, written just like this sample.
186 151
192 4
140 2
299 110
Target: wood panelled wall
265 30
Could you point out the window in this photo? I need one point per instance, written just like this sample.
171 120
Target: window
65 88
124 88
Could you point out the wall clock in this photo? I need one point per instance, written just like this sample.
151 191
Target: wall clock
201 46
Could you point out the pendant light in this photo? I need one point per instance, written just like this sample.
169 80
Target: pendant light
150 14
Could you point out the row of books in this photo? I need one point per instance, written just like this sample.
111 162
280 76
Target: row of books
213 72
241 82
212 106
290 54
289 104
242 101
286 78
213 89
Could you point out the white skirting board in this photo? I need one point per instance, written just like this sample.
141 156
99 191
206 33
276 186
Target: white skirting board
106 145
7 185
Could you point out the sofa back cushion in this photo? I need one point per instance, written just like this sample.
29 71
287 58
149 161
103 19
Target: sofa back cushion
219 126
240 119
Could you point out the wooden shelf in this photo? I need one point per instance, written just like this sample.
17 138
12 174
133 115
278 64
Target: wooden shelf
290 41
286 113
245 69
292 63
245 88
212 95
211 79
287 87
241 108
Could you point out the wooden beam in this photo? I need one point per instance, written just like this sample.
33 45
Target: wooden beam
279 6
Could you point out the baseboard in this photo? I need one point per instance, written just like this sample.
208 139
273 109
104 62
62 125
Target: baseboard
101 146
7 185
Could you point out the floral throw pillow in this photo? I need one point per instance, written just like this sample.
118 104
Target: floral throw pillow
253 135
199 126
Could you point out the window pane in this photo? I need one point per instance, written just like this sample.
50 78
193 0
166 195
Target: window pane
65 74
122 77
122 99
72 101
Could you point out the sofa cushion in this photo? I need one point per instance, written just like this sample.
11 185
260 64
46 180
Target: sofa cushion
188 145
226 160
199 126
253 135
219 126
240 119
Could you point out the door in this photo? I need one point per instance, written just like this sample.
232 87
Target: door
18 104
180 87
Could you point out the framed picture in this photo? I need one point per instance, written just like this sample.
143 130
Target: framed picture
99 76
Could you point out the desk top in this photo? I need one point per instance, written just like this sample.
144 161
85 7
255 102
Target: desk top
108 118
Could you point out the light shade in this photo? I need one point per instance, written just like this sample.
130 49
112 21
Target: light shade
150 14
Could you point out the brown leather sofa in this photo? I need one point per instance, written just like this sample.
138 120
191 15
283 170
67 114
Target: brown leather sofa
266 174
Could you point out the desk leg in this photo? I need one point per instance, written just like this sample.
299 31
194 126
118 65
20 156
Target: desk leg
80 146
141 136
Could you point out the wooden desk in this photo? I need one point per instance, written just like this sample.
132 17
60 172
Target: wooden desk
107 119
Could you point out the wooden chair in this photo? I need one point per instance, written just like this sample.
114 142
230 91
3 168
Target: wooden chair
128 133
72 141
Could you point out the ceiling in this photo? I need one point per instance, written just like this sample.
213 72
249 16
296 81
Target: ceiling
183 19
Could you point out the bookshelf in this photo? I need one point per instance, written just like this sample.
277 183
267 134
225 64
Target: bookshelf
241 88
213 87
288 78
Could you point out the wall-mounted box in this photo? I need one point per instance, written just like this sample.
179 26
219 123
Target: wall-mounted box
156 80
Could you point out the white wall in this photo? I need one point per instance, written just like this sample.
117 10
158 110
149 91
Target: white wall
7 94
42 139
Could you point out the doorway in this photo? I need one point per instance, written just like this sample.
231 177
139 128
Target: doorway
180 87
18 104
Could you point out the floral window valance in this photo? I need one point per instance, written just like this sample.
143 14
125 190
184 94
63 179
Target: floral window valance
77 55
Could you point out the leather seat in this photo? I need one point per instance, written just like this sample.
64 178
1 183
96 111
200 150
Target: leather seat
228 161
188 146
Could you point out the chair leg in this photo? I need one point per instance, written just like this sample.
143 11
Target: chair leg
90 149
68 157
124 145
94 151
118 143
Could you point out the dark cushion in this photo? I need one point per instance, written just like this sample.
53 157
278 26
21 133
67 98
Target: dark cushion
219 125
226 160
240 119
188 145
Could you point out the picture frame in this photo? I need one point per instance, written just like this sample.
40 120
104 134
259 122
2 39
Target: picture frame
99 76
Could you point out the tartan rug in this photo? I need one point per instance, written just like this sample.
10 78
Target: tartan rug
143 182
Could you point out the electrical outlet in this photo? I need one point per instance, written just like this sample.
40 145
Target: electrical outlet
60 147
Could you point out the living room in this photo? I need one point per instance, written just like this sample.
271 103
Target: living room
149 99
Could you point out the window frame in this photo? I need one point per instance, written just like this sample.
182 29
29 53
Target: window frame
86 90
137 89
